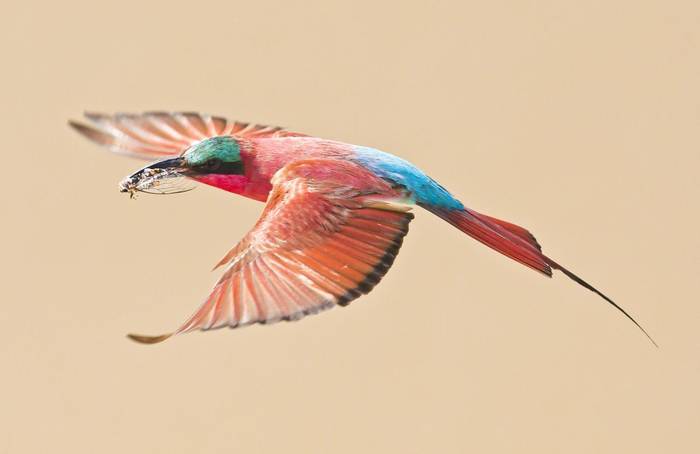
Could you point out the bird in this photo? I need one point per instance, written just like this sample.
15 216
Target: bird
335 214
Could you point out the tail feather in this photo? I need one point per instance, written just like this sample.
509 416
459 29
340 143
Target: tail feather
585 284
508 239
514 229
517 243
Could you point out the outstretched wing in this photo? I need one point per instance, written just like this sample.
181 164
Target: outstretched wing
327 235
154 135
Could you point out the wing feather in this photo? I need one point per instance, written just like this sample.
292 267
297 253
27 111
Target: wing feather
154 135
318 243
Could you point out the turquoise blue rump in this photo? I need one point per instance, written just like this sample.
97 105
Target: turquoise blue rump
399 171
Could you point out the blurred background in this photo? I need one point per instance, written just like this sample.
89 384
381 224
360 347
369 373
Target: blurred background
578 120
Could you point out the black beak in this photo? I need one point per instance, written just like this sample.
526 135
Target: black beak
170 167
166 164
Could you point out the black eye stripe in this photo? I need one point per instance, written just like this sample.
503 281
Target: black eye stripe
230 168
221 168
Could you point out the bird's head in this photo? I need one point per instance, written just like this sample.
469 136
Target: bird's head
215 161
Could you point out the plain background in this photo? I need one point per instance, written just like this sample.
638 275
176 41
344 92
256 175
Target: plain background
579 120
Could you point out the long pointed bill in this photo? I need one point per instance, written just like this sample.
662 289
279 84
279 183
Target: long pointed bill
161 177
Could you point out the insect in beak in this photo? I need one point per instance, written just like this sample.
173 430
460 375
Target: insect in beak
161 177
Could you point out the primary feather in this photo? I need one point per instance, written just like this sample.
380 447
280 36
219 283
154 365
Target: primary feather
320 242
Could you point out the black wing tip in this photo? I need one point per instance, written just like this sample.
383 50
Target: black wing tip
78 126
88 131
96 116
141 339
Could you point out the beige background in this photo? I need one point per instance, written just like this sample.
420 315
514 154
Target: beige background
579 120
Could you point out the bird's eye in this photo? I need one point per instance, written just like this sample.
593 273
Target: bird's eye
212 164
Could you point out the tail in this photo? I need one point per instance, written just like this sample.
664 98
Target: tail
517 243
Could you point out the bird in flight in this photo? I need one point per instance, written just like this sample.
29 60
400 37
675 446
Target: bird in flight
334 220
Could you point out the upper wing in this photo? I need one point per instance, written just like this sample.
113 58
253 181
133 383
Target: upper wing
327 235
154 135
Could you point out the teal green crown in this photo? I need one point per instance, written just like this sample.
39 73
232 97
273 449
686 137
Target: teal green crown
223 148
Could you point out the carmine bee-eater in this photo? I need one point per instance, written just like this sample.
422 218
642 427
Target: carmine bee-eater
334 219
